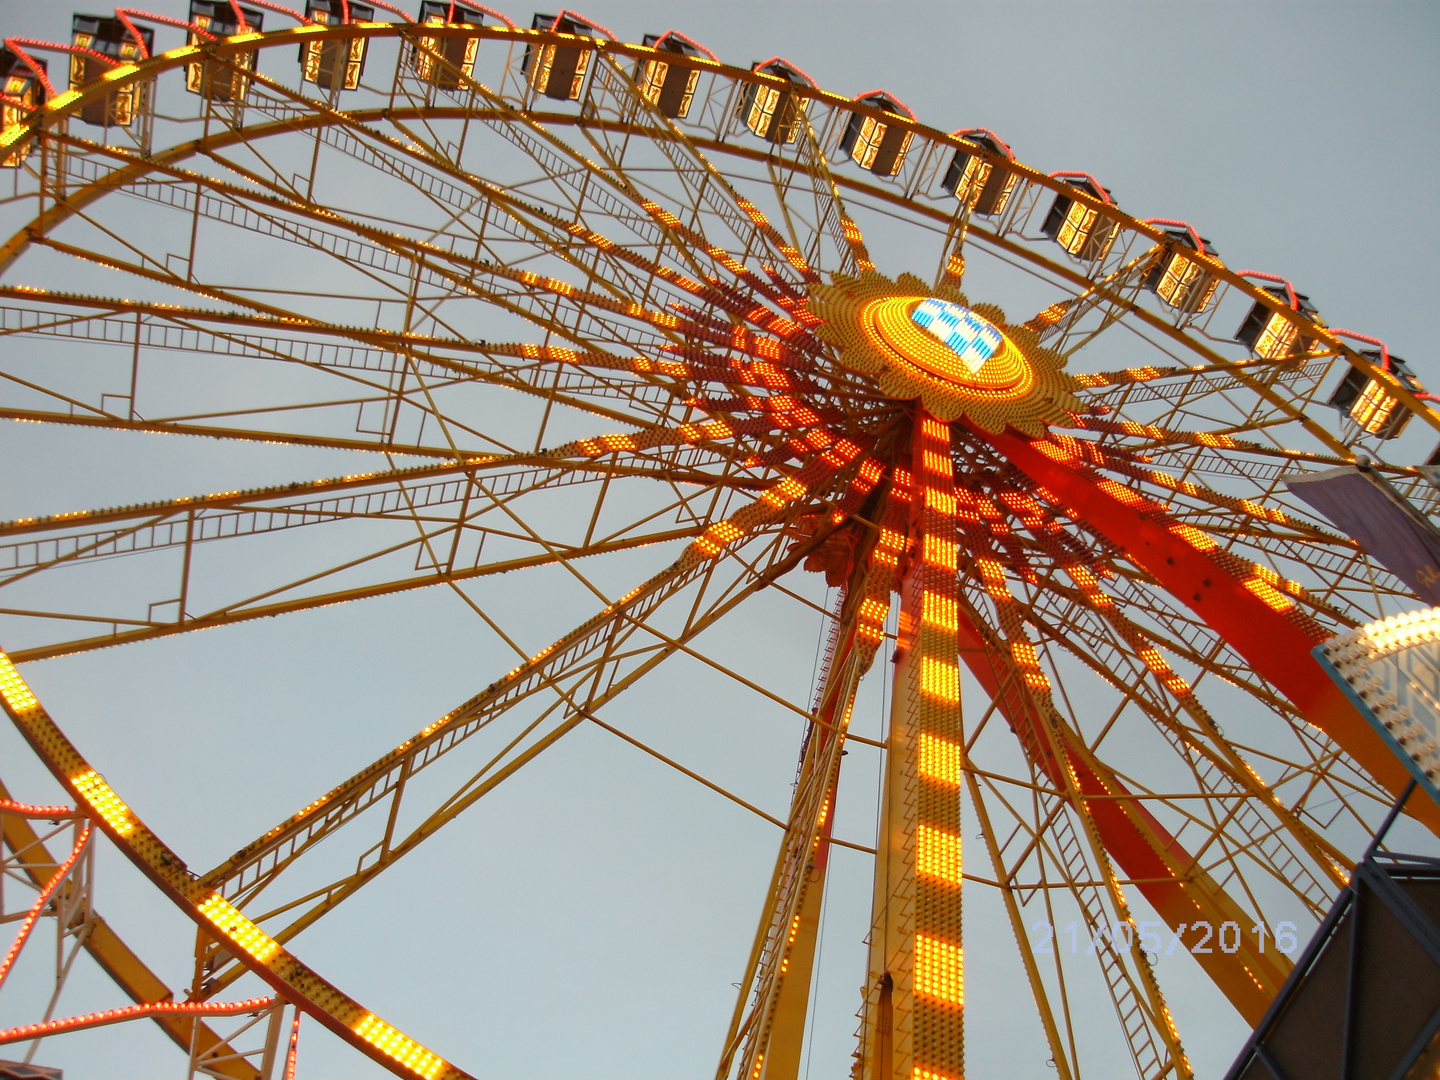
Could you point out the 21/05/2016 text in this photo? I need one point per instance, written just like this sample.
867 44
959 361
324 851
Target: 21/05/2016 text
1149 936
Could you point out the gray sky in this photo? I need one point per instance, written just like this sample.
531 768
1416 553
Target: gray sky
590 920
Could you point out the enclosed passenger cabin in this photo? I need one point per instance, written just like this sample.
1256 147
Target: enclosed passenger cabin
1180 281
445 62
558 71
774 112
670 87
23 93
333 65
111 38
213 79
876 144
1272 336
1368 403
1079 228
976 181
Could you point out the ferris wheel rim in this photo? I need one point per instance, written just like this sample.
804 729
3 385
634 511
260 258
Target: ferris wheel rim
144 71
70 102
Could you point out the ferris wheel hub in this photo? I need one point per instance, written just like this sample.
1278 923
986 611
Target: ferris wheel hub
949 341
933 346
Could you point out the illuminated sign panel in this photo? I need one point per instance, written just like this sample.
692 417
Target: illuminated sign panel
968 336
1390 670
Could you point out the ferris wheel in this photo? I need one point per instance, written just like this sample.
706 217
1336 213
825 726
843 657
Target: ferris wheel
681 340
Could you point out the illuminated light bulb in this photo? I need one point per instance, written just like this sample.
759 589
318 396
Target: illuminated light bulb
940 759
939 969
238 928
13 688
399 1046
92 787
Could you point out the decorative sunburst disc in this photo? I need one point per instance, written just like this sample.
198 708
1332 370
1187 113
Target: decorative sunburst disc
933 346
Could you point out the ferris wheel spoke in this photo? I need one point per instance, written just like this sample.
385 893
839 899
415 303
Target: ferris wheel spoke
1260 622
1260 523
398 263
346 134
1003 662
507 220
1053 859
704 190
1056 537
1135 668
707 189
592 189
1174 630
1158 860
582 672
487 215
719 537
1071 325
1175 399
445 515
376 360
776 982
1062 1050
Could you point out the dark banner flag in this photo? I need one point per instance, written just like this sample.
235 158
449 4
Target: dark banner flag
1380 520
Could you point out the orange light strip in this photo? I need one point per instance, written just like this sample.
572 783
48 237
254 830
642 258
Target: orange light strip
1134 375
41 901
795 349
791 255
1262 582
711 291
939 970
937 975
299 984
27 1032
937 853
940 759
856 240
884 560
26 810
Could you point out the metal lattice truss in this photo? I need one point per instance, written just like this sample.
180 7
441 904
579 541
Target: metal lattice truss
565 328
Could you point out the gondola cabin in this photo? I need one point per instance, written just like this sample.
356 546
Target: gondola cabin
1177 277
1081 229
558 71
23 93
444 62
874 144
669 87
228 80
975 179
774 112
1273 336
336 63
1367 401
113 40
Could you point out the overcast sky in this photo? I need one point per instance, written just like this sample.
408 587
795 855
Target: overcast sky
1300 137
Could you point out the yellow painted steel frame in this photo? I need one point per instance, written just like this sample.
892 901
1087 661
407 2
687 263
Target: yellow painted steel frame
215 916
262 954
128 971
914 1000
232 48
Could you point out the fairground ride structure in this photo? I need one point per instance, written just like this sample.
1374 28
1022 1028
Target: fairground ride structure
591 303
